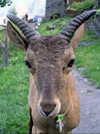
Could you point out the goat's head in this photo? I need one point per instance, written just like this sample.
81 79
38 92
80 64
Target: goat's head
49 59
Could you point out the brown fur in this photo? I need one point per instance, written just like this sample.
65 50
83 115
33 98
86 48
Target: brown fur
51 82
77 36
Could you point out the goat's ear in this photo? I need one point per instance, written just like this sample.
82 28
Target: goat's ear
77 36
16 37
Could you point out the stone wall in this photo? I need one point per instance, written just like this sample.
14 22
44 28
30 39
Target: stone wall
58 7
94 22
55 7
94 25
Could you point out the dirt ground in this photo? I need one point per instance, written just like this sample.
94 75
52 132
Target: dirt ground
89 97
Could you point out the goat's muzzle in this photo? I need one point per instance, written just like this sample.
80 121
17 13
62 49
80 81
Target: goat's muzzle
49 109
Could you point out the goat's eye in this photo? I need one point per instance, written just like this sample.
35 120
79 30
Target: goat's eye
28 64
70 64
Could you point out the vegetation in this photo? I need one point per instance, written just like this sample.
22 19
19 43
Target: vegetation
14 80
14 88
5 2
88 57
58 23
82 5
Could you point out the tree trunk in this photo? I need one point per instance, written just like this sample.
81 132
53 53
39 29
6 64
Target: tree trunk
6 42
5 47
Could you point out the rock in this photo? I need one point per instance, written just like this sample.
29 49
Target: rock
55 7
85 80
51 27
93 23
72 13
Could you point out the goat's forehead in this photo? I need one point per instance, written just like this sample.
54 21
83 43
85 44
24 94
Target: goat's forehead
49 42
48 48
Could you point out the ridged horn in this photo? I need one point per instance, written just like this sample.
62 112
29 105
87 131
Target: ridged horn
68 31
26 29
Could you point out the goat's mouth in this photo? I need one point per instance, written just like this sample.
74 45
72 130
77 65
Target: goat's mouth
48 114
51 113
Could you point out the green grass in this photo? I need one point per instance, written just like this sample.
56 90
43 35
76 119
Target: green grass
88 58
14 87
58 22
88 36
82 5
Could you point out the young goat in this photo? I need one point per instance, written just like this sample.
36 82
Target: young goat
53 99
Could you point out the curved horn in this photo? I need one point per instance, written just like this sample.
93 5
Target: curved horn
68 31
26 29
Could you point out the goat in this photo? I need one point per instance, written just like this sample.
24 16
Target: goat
53 100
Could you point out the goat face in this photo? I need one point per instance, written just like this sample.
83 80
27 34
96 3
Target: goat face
50 60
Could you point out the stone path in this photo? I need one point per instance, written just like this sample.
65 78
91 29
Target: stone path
89 97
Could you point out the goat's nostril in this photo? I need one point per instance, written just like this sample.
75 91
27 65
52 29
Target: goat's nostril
48 110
